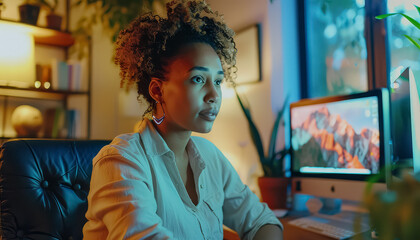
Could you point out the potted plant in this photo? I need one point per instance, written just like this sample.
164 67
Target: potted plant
395 214
29 12
53 20
273 185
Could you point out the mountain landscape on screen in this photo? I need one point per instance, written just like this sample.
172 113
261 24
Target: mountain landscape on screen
327 140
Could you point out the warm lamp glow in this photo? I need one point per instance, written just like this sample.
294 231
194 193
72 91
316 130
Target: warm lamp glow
37 84
17 59
47 85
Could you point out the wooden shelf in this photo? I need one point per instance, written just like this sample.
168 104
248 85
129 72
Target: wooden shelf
13 92
7 138
37 93
42 35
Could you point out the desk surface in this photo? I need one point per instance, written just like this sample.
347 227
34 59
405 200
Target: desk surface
292 232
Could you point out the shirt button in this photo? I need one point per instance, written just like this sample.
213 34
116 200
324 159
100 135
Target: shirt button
201 186
202 165
194 210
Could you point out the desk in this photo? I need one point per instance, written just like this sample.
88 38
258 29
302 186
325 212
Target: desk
292 232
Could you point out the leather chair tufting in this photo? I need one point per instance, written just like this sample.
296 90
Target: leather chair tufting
43 187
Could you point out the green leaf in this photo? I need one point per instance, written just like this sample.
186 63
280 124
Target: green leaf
413 41
278 161
324 8
414 22
255 135
274 131
385 15
418 8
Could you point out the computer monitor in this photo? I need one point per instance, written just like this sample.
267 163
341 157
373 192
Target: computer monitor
405 113
401 119
415 119
338 143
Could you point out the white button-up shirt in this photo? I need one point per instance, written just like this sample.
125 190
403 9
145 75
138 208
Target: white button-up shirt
136 192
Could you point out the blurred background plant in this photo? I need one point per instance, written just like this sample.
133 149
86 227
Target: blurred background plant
51 5
53 20
395 214
114 15
273 162
414 40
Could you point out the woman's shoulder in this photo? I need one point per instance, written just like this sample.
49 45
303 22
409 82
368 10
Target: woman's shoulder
126 146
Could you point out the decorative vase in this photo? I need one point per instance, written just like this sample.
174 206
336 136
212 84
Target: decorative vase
29 13
54 21
274 191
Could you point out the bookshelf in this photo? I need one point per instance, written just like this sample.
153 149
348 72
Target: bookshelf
43 99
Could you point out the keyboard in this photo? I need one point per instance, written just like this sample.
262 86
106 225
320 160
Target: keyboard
333 226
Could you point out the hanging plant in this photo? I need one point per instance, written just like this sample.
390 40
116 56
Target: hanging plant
114 15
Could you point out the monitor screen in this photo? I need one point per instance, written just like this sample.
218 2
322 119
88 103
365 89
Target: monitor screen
343 137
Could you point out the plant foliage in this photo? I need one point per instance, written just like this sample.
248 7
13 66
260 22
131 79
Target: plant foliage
114 15
51 5
272 162
395 213
413 40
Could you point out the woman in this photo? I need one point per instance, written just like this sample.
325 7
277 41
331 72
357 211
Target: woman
161 183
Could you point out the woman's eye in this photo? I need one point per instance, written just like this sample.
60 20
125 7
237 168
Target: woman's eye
198 79
218 82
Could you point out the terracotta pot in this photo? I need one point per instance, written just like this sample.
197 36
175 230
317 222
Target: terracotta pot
274 191
29 13
54 21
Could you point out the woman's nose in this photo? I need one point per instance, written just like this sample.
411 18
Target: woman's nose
213 94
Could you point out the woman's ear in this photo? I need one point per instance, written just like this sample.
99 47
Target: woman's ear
155 89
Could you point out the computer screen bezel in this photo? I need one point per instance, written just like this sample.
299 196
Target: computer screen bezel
384 129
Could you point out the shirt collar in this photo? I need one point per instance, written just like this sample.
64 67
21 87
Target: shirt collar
194 156
154 144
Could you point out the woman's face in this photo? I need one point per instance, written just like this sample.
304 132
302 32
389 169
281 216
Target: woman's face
191 93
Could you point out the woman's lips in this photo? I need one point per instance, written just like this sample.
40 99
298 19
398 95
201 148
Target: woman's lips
208 115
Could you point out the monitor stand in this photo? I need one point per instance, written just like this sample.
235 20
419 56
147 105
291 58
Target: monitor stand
329 213
323 205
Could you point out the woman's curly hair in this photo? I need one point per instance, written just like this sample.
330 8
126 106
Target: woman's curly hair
144 48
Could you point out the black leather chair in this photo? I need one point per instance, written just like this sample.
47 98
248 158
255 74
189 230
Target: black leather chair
44 186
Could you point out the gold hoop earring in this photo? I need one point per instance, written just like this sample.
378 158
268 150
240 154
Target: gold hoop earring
159 121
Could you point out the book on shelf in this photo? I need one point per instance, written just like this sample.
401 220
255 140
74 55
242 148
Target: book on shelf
66 75
61 123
